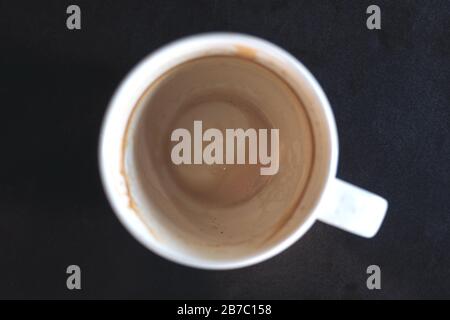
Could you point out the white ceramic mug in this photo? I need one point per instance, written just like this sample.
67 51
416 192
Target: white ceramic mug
333 201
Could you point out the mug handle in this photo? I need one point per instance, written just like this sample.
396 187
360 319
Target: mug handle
353 209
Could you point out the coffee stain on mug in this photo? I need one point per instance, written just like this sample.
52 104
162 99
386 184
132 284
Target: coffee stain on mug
246 52
131 202
243 52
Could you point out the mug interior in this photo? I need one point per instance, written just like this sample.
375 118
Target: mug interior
224 227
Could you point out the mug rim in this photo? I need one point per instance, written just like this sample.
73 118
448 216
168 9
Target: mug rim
113 191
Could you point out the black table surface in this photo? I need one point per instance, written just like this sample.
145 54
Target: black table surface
389 90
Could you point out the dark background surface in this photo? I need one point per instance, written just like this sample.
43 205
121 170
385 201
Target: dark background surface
389 90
